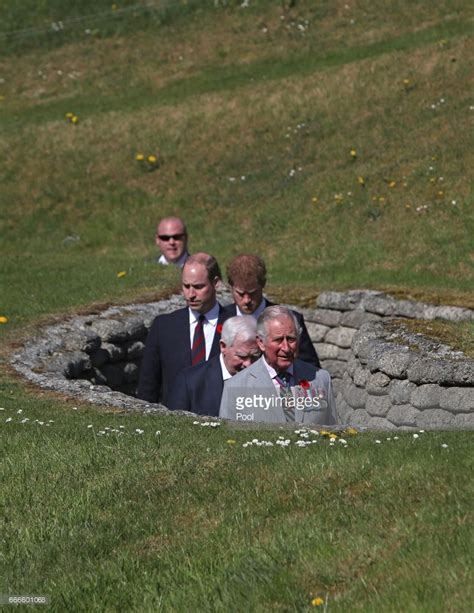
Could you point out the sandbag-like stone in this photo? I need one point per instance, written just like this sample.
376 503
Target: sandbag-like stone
378 406
400 391
381 305
355 397
355 319
457 399
429 370
344 411
130 372
135 328
336 368
360 376
115 353
327 351
464 421
377 384
452 313
434 418
326 317
403 415
134 349
426 396
81 340
380 423
359 418
316 332
340 336
110 330
392 360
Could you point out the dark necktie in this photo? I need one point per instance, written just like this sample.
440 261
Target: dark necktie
198 350
284 381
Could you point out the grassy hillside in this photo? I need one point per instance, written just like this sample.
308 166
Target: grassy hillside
332 137
253 114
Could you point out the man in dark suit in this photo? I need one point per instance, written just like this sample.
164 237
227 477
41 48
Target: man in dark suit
187 336
247 276
199 389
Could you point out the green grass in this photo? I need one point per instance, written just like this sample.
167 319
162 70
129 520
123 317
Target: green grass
185 520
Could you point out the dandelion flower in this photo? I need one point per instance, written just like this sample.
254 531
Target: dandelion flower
75 119
406 82
121 274
152 159
361 181
392 184
315 199
353 153
69 115
3 319
317 602
139 157
231 441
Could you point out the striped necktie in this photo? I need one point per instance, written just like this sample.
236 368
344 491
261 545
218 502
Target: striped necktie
198 350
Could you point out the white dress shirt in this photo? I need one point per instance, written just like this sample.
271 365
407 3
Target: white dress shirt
258 311
181 262
225 373
209 326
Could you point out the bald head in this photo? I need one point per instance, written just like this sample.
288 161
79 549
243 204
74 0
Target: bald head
172 238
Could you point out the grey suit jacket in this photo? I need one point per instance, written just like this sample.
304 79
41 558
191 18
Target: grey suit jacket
251 396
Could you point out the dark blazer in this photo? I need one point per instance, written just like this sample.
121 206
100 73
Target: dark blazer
198 389
307 352
167 352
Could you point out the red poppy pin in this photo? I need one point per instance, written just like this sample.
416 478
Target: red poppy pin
219 328
304 384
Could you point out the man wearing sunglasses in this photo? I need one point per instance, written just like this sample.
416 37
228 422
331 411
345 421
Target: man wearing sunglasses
172 240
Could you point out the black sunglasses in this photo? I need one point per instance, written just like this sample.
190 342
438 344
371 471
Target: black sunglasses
167 237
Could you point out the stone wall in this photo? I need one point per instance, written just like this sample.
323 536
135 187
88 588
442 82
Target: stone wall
383 378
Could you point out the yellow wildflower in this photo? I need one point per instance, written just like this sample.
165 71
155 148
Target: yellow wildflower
354 153
69 115
381 199
152 159
361 181
392 184
408 206
139 157
3 319
440 193
406 82
315 199
317 602
231 441
121 274
432 180
74 119
351 431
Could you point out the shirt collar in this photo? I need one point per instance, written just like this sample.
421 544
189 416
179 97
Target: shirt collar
180 263
272 372
225 373
258 311
211 316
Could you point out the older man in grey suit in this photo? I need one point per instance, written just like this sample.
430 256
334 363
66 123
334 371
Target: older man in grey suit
279 388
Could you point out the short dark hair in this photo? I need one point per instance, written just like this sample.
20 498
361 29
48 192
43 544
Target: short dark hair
247 269
209 261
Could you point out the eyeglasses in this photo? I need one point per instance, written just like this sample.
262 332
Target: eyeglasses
168 237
